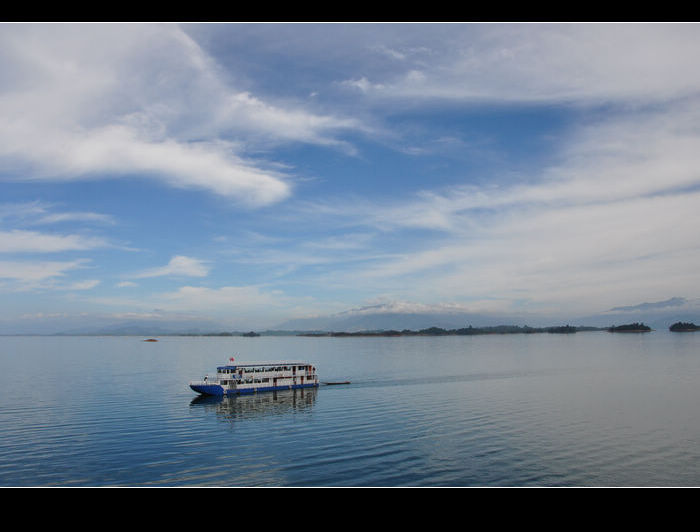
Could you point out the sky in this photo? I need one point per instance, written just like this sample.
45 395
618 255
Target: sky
256 173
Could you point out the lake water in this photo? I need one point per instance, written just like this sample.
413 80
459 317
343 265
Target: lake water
586 409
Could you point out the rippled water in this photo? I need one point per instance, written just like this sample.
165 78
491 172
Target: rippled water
588 409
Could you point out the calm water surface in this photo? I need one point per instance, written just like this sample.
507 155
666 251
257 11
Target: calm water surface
587 409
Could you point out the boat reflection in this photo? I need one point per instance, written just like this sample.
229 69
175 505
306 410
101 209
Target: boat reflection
240 407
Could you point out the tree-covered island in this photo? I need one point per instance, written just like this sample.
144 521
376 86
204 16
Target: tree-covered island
683 327
630 327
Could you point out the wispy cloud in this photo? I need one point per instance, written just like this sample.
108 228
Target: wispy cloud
60 217
42 213
231 298
614 218
19 241
28 272
672 302
88 284
179 266
553 63
249 306
83 102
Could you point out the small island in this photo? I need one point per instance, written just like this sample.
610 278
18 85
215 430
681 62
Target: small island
683 327
630 327
251 334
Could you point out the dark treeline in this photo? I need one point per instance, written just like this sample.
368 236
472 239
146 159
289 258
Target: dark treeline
630 327
466 331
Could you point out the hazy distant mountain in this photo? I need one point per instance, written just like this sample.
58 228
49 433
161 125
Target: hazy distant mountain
385 316
672 302
388 317
148 328
658 315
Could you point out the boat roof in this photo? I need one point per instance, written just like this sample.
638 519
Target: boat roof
269 363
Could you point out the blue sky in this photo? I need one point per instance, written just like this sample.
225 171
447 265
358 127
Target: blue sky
254 173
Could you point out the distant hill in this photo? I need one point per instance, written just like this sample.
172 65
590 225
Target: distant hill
657 315
400 321
381 317
147 328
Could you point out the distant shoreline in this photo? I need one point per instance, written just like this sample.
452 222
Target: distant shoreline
431 331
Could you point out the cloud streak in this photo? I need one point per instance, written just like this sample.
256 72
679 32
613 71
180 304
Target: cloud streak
40 213
179 266
19 241
31 272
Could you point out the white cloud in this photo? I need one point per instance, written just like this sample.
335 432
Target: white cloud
41 213
81 101
61 217
586 257
545 63
249 306
233 298
88 284
22 211
35 271
362 84
253 114
119 150
178 266
19 241
388 306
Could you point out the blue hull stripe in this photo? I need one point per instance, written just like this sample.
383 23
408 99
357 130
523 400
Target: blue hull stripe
215 389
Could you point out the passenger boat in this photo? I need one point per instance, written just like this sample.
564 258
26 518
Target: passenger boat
237 378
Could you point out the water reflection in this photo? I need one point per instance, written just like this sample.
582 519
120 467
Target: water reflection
259 405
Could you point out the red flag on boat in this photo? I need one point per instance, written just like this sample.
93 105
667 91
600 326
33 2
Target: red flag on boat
231 359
